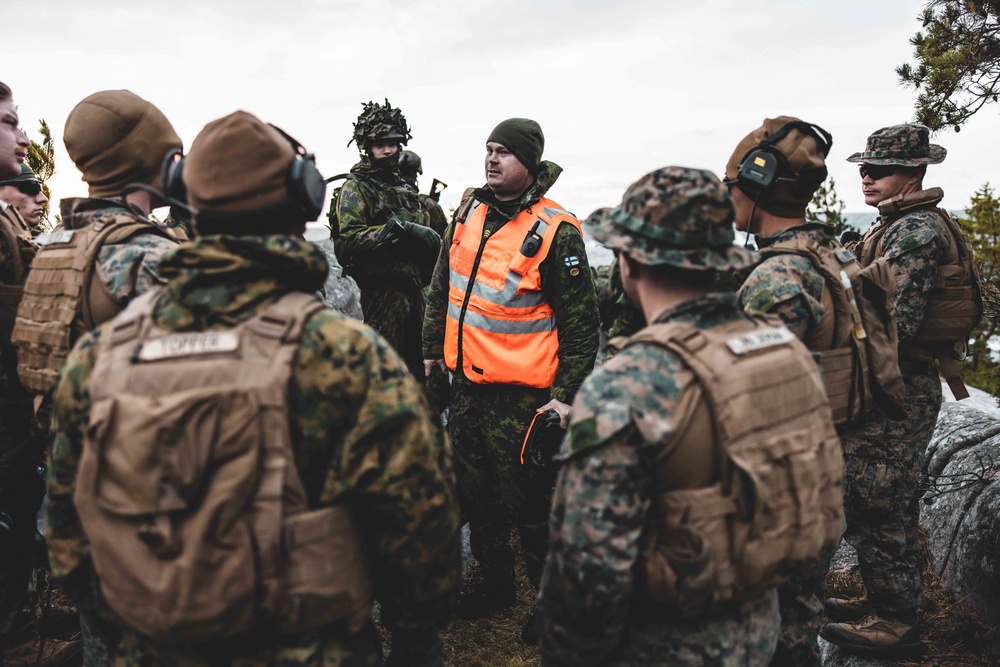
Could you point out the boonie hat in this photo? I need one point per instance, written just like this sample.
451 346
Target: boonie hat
674 216
907 145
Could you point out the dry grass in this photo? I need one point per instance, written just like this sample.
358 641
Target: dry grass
494 641
954 635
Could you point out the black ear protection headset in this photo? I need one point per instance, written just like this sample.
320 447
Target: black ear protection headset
757 173
758 170
306 186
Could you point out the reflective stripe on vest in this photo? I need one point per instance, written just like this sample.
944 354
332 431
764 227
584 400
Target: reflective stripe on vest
499 326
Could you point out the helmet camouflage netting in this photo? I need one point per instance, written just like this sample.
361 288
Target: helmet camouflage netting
380 122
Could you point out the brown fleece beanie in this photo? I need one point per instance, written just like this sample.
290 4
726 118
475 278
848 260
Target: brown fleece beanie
786 199
237 165
115 137
523 137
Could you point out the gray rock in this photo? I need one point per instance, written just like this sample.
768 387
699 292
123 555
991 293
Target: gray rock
961 511
341 291
833 656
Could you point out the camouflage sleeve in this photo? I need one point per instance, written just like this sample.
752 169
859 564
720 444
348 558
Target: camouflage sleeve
436 310
914 245
599 508
368 440
356 216
626 318
69 554
787 286
569 288
129 269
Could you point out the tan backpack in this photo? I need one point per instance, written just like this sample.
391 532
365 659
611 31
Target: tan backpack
188 489
62 299
857 343
778 501
955 305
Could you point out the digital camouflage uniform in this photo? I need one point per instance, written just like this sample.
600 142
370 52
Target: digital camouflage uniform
129 268
391 272
590 615
591 608
791 287
487 423
346 386
885 457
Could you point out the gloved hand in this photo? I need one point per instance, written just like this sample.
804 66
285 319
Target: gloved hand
425 236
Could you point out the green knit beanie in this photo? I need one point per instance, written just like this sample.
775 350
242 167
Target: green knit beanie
522 137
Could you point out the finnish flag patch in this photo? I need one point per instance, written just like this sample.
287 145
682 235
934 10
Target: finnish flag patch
572 261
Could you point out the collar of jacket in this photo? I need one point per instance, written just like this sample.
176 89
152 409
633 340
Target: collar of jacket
223 280
365 170
548 173
818 229
704 311
78 212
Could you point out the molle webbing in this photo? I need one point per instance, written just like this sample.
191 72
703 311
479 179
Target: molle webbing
778 501
188 487
856 342
955 305
62 299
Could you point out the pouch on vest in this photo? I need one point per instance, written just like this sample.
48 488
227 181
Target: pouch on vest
857 344
778 502
188 491
65 295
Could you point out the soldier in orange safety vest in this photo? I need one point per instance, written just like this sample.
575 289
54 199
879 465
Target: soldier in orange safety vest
512 315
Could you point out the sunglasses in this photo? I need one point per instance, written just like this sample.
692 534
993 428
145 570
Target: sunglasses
30 188
877 171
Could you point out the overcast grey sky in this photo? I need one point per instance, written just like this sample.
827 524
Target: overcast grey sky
620 87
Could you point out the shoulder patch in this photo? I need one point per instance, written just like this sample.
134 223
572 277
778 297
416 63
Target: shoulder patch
761 301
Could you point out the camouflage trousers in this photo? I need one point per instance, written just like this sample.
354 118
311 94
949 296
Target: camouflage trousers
487 424
742 636
800 602
883 462
398 316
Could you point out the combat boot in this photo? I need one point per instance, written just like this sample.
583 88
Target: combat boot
847 609
489 596
874 635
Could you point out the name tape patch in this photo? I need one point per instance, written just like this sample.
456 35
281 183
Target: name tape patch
758 340
61 236
187 344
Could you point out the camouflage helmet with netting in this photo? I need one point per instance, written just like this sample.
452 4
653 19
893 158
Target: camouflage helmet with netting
380 122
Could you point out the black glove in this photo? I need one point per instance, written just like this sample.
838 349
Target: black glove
425 236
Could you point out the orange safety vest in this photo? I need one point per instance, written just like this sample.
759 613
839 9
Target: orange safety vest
502 330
